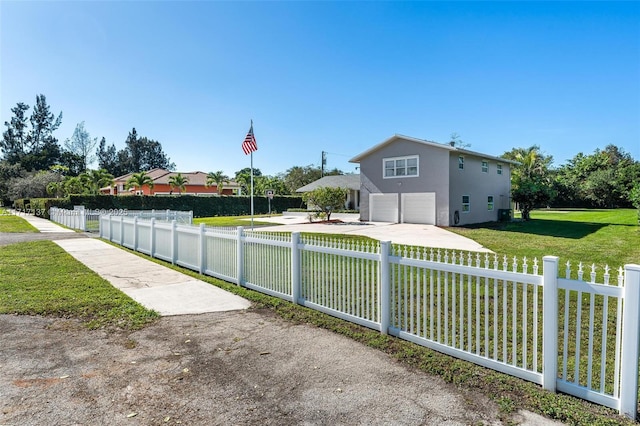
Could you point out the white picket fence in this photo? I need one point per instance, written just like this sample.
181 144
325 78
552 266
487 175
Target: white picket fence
515 316
88 219
74 219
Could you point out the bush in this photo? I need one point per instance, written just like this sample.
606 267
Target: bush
201 206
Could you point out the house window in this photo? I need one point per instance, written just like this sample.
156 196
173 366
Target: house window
400 166
466 204
490 202
485 166
461 163
499 169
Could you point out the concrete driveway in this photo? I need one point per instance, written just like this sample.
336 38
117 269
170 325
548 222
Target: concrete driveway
399 233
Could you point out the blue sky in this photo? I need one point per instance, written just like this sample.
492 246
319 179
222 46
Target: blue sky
332 76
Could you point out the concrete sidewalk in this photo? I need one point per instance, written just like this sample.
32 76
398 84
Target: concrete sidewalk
42 225
154 286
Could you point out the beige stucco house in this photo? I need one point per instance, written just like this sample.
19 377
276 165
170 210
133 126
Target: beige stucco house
409 180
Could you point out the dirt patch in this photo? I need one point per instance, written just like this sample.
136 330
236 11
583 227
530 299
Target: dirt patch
243 367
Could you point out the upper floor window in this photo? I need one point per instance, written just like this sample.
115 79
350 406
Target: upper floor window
461 162
400 166
499 169
485 166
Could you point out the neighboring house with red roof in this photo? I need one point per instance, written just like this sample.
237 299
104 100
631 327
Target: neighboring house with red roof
195 186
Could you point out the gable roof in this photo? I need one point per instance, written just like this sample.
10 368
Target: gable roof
195 178
161 176
153 174
335 181
447 147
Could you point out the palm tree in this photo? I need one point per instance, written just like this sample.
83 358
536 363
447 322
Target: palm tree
218 178
178 181
96 179
55 188
73 185
530 179
139 180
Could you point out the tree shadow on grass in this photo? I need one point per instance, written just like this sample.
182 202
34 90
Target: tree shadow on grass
551 228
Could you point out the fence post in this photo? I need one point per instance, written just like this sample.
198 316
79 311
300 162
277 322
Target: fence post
630 342
121 230
168 213
135 233
549 322
152 237
83 220
385 287
174 242
295 267
202 240
110 228
239 255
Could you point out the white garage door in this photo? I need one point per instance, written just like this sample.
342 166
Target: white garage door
383 208
419 208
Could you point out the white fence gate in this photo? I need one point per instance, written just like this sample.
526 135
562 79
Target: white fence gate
565 334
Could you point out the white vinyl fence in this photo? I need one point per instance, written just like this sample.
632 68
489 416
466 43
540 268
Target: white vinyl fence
88 219
575 335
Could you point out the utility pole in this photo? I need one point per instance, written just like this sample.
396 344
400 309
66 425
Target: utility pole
323 163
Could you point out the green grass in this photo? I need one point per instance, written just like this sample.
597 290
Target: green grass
603 237
231 221
12 223
40 278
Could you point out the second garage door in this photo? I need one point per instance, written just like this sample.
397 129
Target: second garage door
418 208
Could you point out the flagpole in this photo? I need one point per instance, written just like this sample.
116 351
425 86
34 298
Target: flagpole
252 187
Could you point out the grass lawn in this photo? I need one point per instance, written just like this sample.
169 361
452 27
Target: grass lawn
244 221
11 223
603 237
40 278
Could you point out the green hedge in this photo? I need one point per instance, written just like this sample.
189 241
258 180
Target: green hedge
201 206
38 206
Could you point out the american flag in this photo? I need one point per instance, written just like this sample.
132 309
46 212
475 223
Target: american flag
249 145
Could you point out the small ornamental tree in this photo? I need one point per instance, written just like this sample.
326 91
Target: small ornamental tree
326 199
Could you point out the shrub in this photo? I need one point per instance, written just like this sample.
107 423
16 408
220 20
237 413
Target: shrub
201 206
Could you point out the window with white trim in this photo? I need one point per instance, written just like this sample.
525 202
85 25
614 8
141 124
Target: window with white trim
400 166
490 202
485 166
466 204
461 162
499 169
